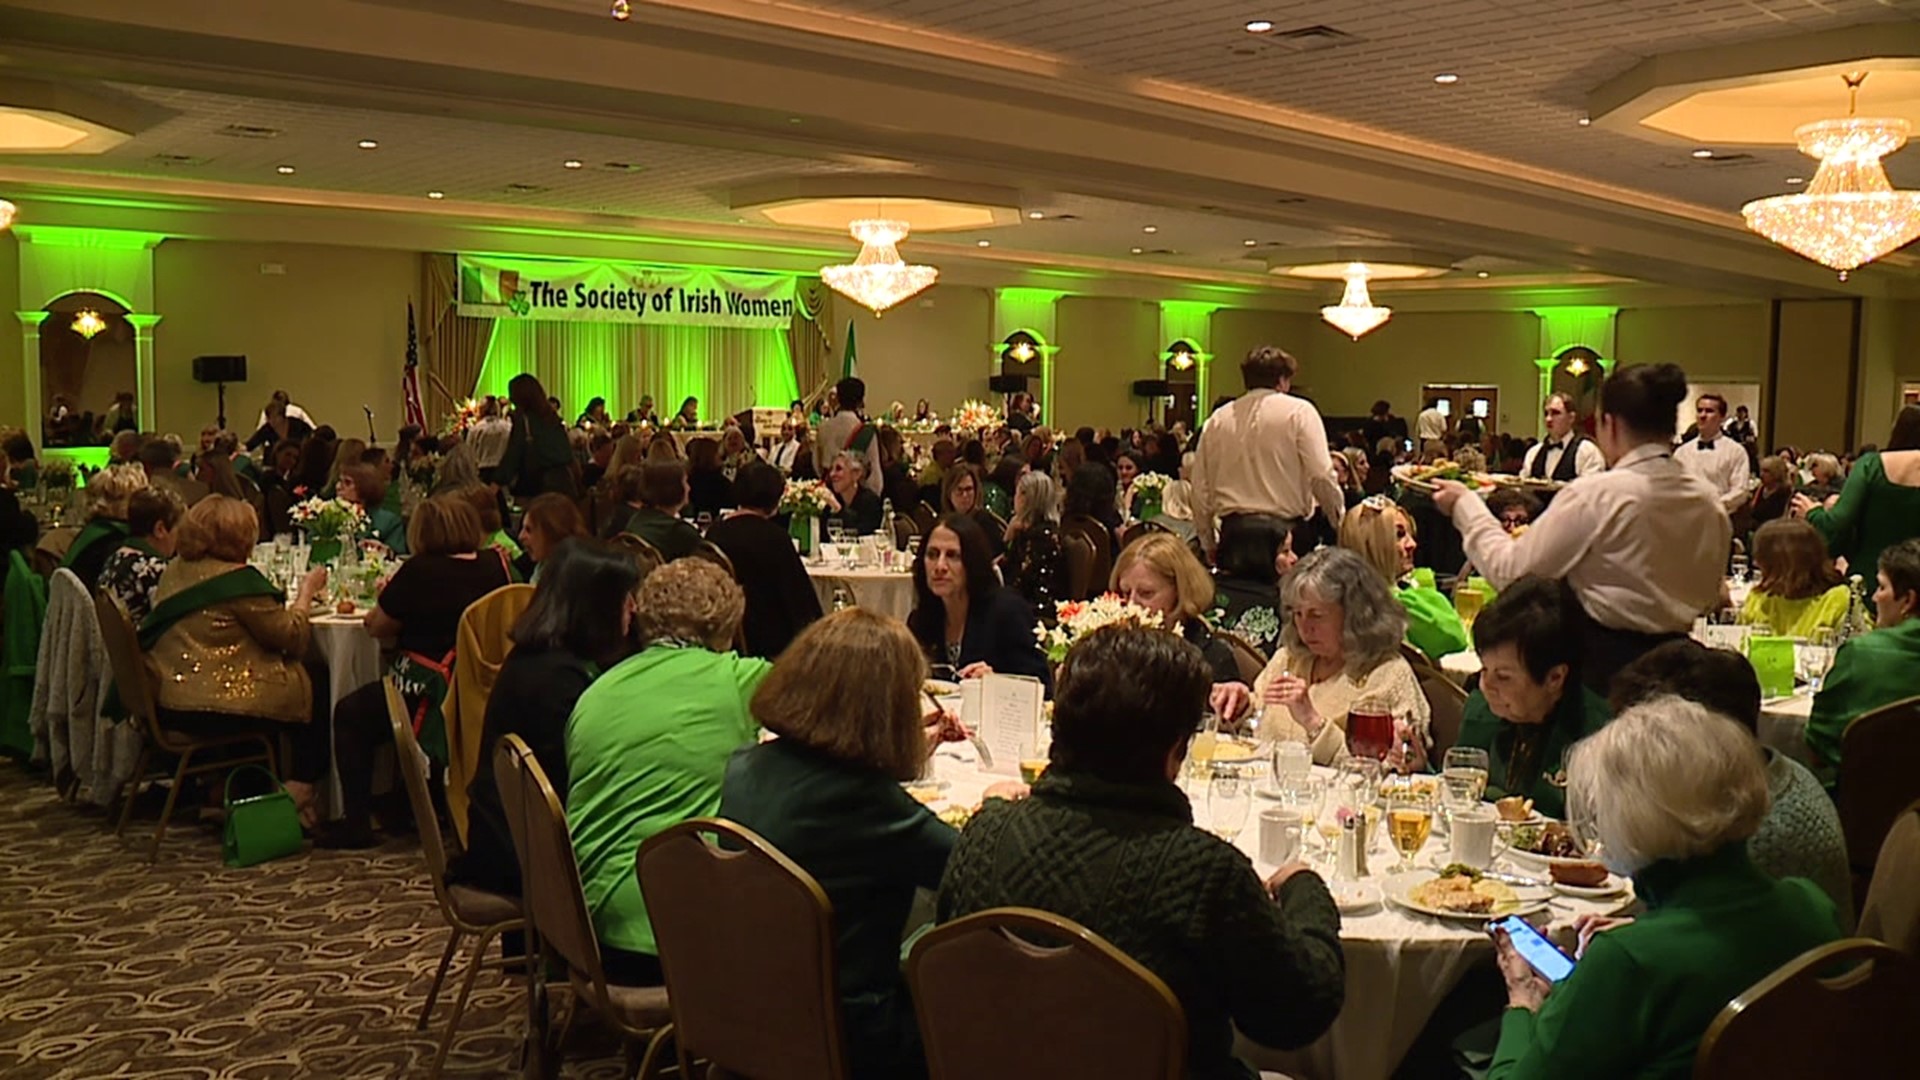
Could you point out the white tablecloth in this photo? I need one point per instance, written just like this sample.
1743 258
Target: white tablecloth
1783 726
889 592
1399 964
353 660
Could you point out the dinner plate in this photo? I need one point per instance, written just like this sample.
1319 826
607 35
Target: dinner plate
1399 889
1352 896
1540 863
941 687
1613 886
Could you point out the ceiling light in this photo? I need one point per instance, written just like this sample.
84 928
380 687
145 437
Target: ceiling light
1796 179
879 278
1585 121
1850 214
1482 274
1137 251
1035 215
285 170
1259 26
1181 357
368 144
1446 78
1356 314
571 163
88 323
1150 228
7 210
1703 153
436 194
1250 243
983 243
622 10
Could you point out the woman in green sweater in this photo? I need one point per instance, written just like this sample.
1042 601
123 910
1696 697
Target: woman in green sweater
1672 791
1873 669
1382 533
1880 504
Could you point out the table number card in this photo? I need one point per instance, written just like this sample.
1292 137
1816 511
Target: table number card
1004 711
1772 660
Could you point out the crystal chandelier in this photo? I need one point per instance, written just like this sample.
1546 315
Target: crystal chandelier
6 213
88 323
1356 314
1849 215
878 278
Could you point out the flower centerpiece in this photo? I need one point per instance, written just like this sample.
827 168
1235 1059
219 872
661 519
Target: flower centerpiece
464 416
976 417
1077 618
328 522
804 502
1149 489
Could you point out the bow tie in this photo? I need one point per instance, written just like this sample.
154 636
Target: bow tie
1706 444
1551 445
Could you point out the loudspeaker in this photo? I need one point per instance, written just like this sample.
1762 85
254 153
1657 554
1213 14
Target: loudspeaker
1151 388
217 369
1008 384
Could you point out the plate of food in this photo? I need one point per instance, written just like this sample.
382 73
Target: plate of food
941 687
1423 477
1352 896
1461 892
1515 810
1544 844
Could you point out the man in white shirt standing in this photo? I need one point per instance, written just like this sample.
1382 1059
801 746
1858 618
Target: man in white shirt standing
1565 453
1714 456
488 436
1430 425
1264 456
847 429
294 412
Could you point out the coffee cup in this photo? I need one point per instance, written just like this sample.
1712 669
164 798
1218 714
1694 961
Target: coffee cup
1280 830
1475 832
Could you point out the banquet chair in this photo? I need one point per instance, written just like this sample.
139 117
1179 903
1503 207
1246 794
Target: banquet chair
558 921
1247 659
747 942
643 552
1101 538
1892 909
469 912
710 551
904 530
1139 529
135 686
1079 553
1843 1009
924 516
1877 779
482 644
993 1003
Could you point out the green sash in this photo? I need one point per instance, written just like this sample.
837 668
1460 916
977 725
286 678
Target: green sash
235 584
424 682
862 437
95 531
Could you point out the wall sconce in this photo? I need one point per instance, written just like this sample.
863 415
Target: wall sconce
88 323
1182 355
1020 348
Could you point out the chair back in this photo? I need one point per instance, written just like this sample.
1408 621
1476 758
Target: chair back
645 554
1097 535
482 643
1892 910
552 897
1877 778
1139 529
130 676
1446 700
710 551
747 942
905 528
1079 553
924 518
1843 1009
1247 659
410 761
993 1003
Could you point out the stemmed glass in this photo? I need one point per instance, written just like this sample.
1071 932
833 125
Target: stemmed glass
1409 823
1463 774
1816 659
1229 799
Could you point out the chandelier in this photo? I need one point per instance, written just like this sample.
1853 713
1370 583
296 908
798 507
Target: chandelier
878 278
88 323
1849 215
7 210
1356 314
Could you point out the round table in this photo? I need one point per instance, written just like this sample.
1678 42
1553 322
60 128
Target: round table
1400 964
352 657
889 592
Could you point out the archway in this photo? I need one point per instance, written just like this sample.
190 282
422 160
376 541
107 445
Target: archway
88 368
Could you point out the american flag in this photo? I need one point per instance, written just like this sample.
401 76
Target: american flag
410 382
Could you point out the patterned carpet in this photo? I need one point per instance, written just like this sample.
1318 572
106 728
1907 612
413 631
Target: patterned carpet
314 966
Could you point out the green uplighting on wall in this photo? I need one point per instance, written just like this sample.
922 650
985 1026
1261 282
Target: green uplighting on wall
1562 327
97 239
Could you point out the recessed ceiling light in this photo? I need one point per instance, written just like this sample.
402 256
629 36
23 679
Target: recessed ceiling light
1150 228
368 144
1585 121
1035 215
1482 273
1446 78
436 194
984 243
1259 26
1703 153
622 10
1796 179
571 163
1251 243
1136 251
285 170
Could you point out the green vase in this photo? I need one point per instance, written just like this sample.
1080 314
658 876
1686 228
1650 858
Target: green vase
1146 507
805 530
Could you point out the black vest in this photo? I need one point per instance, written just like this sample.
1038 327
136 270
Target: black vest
1565 469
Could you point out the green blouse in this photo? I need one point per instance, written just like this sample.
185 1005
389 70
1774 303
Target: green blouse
1523 758
1868 672
1796 618
1433 626
1873 514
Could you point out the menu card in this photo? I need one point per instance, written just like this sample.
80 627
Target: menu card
1004 712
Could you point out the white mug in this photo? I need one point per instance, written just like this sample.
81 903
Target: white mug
1474 832
1280 830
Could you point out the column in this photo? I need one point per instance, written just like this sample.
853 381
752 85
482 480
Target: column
1563 327
1031 310
31 407
1190 321
143 368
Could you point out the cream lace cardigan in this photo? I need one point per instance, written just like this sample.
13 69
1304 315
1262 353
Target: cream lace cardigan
1390 685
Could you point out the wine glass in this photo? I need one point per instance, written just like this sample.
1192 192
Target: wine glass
1369 730
1463 774
1409 823
1739 568
1816 659
1229 799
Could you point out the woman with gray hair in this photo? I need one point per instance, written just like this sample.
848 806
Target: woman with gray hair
1340 654
1035 564
1671 791
851 502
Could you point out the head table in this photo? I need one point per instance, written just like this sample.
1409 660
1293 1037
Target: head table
1400 964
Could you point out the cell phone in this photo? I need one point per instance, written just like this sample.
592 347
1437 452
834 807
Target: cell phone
1533 946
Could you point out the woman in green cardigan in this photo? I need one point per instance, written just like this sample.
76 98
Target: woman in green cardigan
1873 669
1672 791
1382 533
1880 504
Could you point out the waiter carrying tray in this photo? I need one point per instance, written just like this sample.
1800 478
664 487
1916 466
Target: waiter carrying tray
1642 545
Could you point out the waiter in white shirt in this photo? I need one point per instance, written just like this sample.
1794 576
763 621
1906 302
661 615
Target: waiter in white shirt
1642 545
294 412
847 429
1264 460
1430 425
1714 456
1565 453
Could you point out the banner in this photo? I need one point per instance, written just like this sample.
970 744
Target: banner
623 292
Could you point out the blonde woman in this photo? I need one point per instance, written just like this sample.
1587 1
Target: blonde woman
1160 573
1380 532
106 527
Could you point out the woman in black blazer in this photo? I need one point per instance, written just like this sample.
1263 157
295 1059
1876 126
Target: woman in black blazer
962 615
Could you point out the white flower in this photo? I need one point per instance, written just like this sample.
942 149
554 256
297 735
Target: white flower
1151 481
1078 618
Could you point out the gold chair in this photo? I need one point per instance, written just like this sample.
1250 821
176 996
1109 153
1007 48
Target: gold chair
469 912
992 1003
135 686
710 551
1807 1021
747 943
1079 555
482 644
1247 660
557 918
1101 539
1446 699
1877 780
1891 912
645 554
924 518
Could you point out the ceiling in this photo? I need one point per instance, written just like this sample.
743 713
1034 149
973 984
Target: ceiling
1106 120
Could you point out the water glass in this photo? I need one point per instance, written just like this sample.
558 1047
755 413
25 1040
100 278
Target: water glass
1816 659
1229 800
1463 776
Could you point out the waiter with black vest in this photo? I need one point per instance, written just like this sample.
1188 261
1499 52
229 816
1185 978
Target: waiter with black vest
1642 544
1565 453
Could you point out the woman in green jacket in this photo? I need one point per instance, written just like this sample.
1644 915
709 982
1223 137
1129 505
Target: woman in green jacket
1382 533
1873 669
1880 504
1671 791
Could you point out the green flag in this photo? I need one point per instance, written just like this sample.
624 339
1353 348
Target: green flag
848 361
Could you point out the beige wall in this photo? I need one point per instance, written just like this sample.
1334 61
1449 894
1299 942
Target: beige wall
1105 344
1722 343
932 347
1889 356
11 408
1494 348
331 330
1815 345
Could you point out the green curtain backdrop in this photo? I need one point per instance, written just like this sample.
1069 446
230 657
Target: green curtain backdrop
727 369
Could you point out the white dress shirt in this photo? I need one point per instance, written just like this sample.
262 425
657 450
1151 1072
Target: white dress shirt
489 438
835 432
1263 453
1723 467
785 453
1430 424
1644 544
294 412
1587 458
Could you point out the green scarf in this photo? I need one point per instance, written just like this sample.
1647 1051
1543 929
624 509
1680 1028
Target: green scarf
95 531
235 584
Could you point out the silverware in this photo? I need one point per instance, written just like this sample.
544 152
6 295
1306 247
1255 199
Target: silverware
1515 879
979 744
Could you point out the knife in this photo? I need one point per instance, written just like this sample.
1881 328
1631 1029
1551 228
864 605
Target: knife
1515 879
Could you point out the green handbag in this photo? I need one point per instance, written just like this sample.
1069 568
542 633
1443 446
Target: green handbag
260 828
